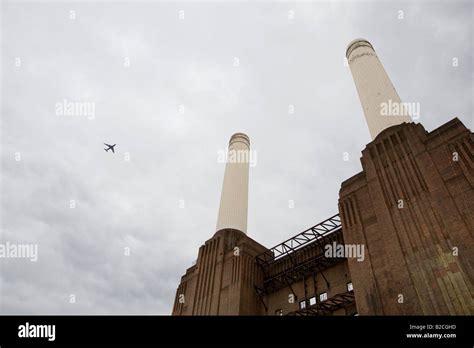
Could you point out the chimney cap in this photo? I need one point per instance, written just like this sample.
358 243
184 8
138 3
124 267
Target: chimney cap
357 43
240 137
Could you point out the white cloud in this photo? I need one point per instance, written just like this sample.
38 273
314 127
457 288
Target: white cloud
173 156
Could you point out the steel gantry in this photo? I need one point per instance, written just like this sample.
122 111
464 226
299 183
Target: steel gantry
327 306
300 240
299 256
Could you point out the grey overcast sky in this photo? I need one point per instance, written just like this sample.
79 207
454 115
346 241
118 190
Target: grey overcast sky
141 66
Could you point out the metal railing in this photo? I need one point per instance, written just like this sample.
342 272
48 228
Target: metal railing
300 240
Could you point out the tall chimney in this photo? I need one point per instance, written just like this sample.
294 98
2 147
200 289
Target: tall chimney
234 198
374 88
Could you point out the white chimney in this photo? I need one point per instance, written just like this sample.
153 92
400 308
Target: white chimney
234 198
377 95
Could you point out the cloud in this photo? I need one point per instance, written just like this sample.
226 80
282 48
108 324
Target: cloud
134 203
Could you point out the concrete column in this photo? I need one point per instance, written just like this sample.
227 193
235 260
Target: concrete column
374 88
234 199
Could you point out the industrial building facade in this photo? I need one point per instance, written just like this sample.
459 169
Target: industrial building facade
402 243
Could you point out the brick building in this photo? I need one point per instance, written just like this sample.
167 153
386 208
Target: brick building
410 211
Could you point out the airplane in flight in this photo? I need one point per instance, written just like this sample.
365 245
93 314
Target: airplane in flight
109 147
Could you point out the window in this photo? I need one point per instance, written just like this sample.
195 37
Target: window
323 296
303 304
312 301
279 312
350 287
